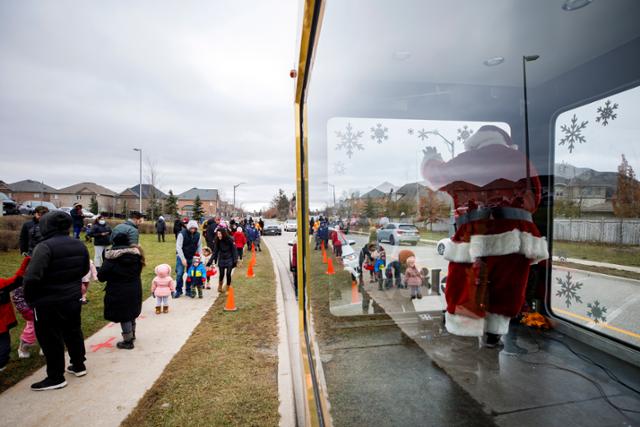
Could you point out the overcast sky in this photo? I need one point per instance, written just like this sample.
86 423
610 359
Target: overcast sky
202 87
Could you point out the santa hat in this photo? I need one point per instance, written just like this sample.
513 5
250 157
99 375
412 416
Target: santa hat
488 135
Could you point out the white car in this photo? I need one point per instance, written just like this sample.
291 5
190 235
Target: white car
291 225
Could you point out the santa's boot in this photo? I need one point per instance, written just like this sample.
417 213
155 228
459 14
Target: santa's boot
491 340
165 309
157 309
127 342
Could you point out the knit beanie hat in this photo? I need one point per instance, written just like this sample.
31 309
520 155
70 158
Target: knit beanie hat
192 224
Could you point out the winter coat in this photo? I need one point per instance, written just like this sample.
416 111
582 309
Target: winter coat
30 236
240 239
58 264
77 218
123 293
252 234
161 226
7 315
225 253
197 274
187 245
323 232
413 277
163 284
177 226
99 237
128 228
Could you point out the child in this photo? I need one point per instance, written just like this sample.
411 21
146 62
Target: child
196 276
379 266
206 252
337 243
162 286
91 275
413 278
7 316
240 239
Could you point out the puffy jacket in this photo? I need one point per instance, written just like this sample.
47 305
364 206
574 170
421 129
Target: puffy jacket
99 237
240 239
123 293
30 236
225 253
58 264
161 226
163 284
78 218
128 228
252 234
7 315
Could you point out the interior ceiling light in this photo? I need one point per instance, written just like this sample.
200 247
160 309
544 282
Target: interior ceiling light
570 5
492 62
401 55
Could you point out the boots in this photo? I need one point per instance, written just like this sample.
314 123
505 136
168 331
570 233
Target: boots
157 309
165 309
127 342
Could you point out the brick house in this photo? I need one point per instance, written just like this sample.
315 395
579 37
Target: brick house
28 189
208 196
130 198
83 193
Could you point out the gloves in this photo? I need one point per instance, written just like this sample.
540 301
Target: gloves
431 153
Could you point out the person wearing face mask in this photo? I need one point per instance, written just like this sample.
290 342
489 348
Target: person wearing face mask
101 233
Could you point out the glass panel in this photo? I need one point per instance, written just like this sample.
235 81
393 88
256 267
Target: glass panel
417 115
597 216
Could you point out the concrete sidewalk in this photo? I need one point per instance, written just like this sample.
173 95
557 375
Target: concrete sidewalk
116 379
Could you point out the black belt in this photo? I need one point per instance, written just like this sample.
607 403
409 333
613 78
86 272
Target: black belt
494 213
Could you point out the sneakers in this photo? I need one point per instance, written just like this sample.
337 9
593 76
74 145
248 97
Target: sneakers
23 350
48 384
78 371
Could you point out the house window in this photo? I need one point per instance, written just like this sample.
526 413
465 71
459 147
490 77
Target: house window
78 197
36 195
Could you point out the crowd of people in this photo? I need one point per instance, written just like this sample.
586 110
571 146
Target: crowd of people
50 286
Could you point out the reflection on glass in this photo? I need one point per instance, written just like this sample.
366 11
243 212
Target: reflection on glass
597 216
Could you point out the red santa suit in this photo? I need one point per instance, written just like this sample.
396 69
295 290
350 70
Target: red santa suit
496 240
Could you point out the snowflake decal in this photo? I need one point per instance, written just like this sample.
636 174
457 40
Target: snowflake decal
349 140
597 312
410 131
568 289
464 133
573 133
339 168
379 133
423 134
606 113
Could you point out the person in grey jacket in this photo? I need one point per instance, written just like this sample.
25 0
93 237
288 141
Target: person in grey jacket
189 244
130 228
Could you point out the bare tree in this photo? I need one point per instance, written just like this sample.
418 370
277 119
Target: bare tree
154 208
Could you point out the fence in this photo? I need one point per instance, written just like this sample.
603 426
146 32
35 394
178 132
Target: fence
616 231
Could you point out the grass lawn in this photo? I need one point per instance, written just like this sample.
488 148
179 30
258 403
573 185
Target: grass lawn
226 373
92 320
615 254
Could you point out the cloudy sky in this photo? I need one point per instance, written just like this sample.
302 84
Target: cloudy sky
202 87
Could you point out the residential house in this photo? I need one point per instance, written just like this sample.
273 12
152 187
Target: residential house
85 191
4 188
591 191
129 199
208 196
28 189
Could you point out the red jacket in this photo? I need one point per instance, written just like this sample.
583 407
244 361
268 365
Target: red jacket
7 315
240 239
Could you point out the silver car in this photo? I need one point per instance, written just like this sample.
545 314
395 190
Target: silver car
396 233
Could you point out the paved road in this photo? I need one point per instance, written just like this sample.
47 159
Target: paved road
619 296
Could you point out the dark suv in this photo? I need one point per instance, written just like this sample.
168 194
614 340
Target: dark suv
9 207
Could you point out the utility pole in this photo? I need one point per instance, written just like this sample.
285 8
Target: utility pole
234 195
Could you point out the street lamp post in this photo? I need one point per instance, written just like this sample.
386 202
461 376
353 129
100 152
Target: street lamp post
140 186
525 59
234 194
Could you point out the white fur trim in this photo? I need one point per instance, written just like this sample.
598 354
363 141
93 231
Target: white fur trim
457 252
496 324
512 242
483 138
463 325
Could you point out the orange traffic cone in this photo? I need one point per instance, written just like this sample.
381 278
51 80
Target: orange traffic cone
250 270
330 269
355 295
231 304
324 254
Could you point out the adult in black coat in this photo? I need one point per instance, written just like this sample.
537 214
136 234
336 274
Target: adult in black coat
123 294
161 228
101 234
30 234
52 287
225 255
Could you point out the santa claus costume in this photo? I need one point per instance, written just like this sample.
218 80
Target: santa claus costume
494 195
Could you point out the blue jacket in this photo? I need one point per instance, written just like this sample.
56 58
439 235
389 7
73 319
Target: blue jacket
197 274
252 234
323 232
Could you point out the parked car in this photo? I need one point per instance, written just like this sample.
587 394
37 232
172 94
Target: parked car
272 229
291 225
29 206
397 233
85 213
9 206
